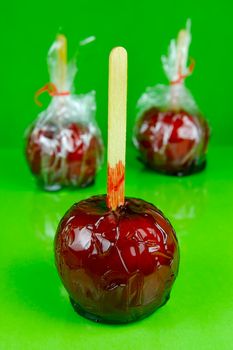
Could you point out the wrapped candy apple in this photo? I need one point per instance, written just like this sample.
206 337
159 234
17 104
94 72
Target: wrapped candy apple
64 145
117 257
170 132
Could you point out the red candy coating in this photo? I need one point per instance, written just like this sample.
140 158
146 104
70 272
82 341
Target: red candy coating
117 266
67 156
172 142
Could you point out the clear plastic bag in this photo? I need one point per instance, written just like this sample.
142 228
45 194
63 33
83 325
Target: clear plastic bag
170 132
64 146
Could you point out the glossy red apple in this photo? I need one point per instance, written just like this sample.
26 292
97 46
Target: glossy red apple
172 142
67 156
117 266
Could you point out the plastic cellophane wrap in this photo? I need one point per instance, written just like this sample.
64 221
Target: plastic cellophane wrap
177 118
64 145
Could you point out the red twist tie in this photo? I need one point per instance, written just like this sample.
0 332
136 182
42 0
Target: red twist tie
51 89
181 77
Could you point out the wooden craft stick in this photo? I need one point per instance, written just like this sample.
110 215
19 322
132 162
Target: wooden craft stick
117 105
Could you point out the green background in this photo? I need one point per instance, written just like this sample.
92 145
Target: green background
34 309
144 28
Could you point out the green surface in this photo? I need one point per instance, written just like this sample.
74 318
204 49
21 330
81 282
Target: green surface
35 310
145 29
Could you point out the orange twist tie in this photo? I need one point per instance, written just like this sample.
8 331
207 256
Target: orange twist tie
184 76
51 89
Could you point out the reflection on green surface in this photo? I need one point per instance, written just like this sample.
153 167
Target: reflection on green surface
35 311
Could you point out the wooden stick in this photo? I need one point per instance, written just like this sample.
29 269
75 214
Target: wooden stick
182 50
61 62
117 103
